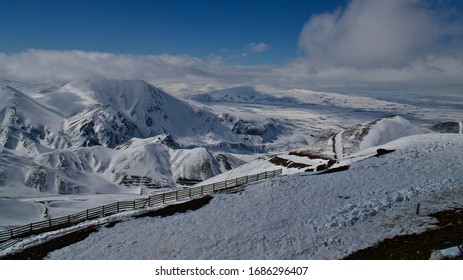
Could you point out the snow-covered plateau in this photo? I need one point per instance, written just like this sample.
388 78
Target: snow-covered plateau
65 147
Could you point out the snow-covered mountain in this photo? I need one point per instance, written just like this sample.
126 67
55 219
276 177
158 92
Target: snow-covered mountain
101 136
29 127
243 94
110 112
78 145
359 137
301 216
355 143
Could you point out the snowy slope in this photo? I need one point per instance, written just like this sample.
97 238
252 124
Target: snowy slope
242 94
74 145
114 111
339 149
359 137
109 112
111 137
85 137
389 129
27 126
140 166
300 216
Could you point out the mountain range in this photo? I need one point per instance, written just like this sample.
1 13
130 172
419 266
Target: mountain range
67 141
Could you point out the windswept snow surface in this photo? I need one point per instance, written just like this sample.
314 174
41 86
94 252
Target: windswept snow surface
300 216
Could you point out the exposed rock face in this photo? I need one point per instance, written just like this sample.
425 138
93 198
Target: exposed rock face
247 127
66 187
224 162
2 175
447 127
37 179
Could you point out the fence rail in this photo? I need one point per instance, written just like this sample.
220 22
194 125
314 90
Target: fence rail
121 206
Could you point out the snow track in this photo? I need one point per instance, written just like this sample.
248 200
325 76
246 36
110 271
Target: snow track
338 145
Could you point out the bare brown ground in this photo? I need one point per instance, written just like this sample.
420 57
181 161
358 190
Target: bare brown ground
447 233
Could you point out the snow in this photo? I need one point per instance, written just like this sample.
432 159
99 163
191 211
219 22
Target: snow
259 165
300 216
15 211
338 145
451 252
389 129
303 160
65 147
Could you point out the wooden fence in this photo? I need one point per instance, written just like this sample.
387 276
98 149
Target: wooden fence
121 206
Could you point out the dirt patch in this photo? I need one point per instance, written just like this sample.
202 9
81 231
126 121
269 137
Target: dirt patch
178 208
448 233
381 151
309 154
322 167
288 163
333 170
39 252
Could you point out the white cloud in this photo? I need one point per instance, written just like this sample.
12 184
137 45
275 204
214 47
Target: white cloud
168 71
382 43
377 34
251 48
371 42
256 47
70 65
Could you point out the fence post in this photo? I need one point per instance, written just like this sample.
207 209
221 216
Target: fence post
11 233
103 210
134 204
164 198
189 192
69 219
31 228
176 196
202 190
118 207
87 215
49 222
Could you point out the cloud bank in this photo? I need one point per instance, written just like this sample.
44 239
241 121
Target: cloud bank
402 41
69 65
371 43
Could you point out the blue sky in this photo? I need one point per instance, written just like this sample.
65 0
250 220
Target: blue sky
341 43
199 28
